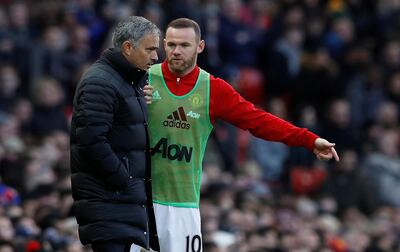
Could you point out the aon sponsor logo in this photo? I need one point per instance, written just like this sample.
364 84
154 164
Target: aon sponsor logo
172 151
193 115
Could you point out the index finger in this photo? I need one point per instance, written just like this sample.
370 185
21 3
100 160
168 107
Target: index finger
335 155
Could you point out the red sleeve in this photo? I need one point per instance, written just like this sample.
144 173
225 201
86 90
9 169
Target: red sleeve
228 105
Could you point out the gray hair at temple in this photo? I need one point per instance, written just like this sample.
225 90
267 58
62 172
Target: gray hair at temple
133 29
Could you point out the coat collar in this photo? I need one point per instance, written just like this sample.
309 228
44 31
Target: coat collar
129 72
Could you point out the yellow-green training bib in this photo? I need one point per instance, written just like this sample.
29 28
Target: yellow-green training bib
179 129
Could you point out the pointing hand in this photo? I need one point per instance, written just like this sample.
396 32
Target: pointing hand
325 150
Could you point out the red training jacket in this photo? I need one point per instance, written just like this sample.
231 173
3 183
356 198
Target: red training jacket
228 105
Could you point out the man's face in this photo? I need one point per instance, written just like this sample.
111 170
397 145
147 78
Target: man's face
145 54
181 47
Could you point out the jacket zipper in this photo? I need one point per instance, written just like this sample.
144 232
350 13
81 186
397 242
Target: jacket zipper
128 168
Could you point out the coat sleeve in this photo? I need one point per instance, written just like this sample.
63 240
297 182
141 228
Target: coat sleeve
95 106
227 104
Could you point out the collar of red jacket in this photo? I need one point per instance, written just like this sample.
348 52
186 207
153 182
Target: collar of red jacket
190 78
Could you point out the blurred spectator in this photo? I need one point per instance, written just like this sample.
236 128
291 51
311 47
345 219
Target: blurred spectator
317 82
77 54
238 42
27 228
349 186
6 229
114 11
393 89
3 21
85 14
356 240
19 22
284 61
6 247
315 25
49 56
6 47
226 140
22 109
11 162
22 34
365 94
271 156
388 115
391 56
308 118
383 167
337 125
154 13
184 8
340 36
8 196
250 84
48 113
9 83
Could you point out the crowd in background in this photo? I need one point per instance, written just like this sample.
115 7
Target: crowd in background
332 66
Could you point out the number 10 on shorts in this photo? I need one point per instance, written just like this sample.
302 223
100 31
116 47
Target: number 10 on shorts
193 244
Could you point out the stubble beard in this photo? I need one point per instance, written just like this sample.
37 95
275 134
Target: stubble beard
184 66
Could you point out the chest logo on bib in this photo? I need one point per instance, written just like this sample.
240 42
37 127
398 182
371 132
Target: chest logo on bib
196 100
156 95
177 120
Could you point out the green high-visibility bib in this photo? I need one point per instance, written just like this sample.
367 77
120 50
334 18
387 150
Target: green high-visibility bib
179 129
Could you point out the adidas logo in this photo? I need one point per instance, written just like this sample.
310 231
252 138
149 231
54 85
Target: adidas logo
156 95
177 119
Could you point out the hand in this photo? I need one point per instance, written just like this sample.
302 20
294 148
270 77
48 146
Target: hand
325 150
148 93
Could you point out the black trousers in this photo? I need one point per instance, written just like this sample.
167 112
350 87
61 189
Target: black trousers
111 246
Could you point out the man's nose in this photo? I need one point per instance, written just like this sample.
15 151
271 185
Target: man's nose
154 56
177 50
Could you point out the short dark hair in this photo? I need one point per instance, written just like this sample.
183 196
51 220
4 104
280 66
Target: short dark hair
186 23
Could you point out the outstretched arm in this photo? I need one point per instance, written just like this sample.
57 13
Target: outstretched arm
324 150
228 105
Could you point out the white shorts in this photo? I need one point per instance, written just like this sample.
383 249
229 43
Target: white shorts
135 248
178 228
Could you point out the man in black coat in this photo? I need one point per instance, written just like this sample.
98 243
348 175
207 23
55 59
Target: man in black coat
110 161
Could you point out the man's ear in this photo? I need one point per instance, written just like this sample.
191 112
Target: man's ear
201 46
165 44
126 48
